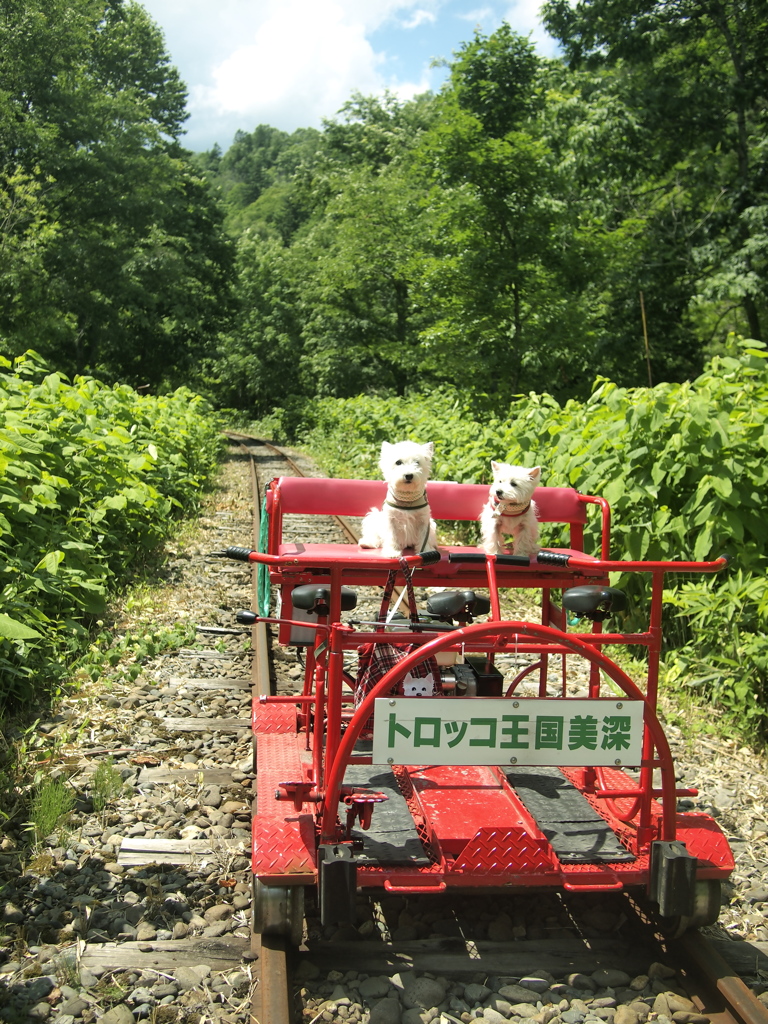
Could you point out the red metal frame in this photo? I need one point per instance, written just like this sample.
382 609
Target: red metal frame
476 830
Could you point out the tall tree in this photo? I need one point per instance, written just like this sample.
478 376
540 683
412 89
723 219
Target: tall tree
330 310
502 274
696 72
256 366
260 180
361 329
135 276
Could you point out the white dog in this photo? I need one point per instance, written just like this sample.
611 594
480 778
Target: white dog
404 520
511 510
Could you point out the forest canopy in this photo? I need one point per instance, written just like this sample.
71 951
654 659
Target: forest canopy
535 224
113 258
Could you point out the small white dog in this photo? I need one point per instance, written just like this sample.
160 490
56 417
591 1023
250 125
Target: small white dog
511 510
404 520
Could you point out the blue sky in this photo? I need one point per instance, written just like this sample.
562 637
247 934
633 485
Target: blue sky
290 63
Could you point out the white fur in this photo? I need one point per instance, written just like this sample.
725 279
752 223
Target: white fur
406 467
514 485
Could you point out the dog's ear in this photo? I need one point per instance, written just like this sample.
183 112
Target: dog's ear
495 466
535 473
385 448
428 449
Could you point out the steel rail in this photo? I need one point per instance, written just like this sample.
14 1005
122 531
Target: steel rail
351 533
271 1003
715 988
730 998
271 997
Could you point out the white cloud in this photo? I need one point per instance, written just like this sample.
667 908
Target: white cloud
419 17
290 63
300 63
407 90
479 15
305 54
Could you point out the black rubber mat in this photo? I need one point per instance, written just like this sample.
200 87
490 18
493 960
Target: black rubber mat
576 832
392 837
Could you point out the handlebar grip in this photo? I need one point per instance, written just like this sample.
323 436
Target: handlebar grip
246 618
241 554
512 560
479 556
552 558
430 557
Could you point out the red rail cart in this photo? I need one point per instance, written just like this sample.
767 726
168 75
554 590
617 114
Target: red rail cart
438 773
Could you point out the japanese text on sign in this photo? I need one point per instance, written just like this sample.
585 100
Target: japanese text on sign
524 731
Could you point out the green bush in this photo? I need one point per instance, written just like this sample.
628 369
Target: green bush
91 480
682 465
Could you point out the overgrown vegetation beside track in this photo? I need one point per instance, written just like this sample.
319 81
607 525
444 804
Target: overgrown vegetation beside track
92 479
683 466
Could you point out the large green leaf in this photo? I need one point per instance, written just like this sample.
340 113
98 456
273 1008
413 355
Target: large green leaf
11 629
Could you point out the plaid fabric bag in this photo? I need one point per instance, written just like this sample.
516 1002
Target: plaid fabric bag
375 660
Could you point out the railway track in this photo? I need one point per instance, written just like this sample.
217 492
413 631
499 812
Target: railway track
688 978
162 887
273 999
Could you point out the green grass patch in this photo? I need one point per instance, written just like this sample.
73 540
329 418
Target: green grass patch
106 785
50 809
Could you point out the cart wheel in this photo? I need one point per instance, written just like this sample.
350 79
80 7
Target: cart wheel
706 909
279 910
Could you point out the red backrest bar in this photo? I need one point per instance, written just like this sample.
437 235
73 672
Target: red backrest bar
321 496
324 496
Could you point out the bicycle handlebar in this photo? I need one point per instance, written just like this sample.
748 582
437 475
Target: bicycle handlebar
554 558
249 555
560 558
241 554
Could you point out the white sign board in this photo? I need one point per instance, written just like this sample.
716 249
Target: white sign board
525 730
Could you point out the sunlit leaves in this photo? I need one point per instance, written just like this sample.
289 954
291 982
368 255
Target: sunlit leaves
91 481
694 73
10 629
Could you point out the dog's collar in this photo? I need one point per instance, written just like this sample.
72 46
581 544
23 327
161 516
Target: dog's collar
406 503
512 509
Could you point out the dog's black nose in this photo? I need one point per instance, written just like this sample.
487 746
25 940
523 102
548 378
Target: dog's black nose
408 477
499 493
